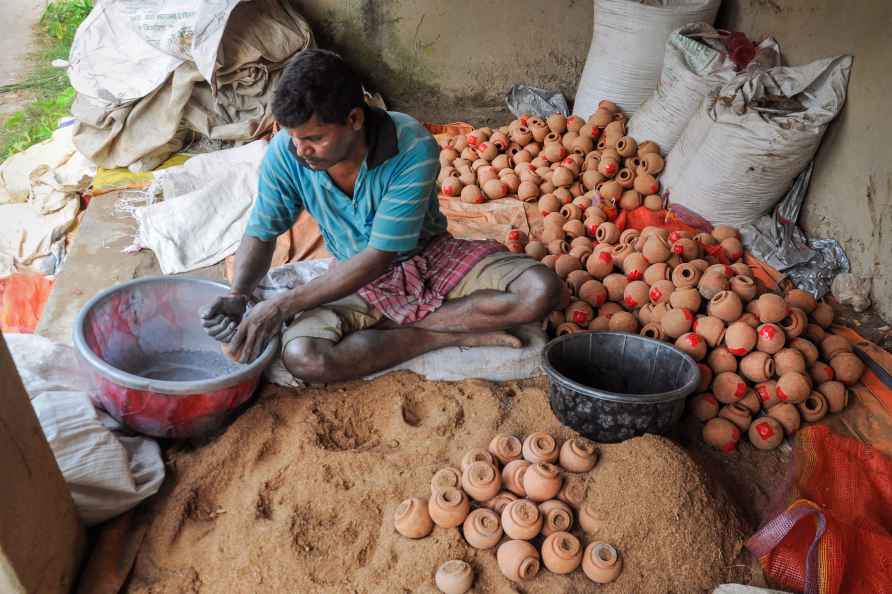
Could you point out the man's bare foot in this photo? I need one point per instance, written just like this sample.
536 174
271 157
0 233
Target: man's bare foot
485 339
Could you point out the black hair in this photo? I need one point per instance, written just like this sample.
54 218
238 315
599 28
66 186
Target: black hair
319 82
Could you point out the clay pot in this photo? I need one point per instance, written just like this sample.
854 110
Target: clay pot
661 291
750 319
802 300
744 287
454 577
634 265
575 228
481 481
648 146
566 264
592 178
726 306
578 455
518 560
712 329
581 145
451 187
448 507
553 152
814 408
847 368
766 433
476 455
703 407
738 414
599 324
821 372
557 516
686 298
653 163
822 315
653 202
601 118
656 249
623 321
721 434
815 333
692 344
651 329
571 212
772 308
686 249
446 477
657 272
521 519
608 167
616 286
834 344
557 123
677 322
807 348
600 265
482 528
609 309
512 476
562 177
472 195
593 293
540 448
495 189
728 387
575 123
549 260
601 563
412 519
767 393
527 191
615 130
788 416
561 553
607 233
711 283
723 232
625 177
626 146
590 519
522 135
740 338
786 360
771 338
619 252
757 367
795 323
573 491
721 360
793 387
836 394
577 278
705 239
733 248
646 184
706 376
685 276
630 200
635 294
751 402
498 503
536 250
542 481
580 313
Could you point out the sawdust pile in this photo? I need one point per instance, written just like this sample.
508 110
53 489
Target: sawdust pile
298 496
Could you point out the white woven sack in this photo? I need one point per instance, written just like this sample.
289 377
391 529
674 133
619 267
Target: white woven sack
741 151
628 43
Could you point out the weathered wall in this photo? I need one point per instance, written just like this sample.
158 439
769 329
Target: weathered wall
41 536
850 198
450 59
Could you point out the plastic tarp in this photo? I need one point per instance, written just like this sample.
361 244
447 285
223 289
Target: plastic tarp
108 472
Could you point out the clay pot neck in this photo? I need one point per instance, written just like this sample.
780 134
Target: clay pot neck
486 524
481 474
524 513
528 569
604 556
566 546
448 498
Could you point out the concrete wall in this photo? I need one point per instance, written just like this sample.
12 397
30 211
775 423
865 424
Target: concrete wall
456 59
850 198
41 536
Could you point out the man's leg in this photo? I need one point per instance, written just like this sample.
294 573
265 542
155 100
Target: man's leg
528 298
318 360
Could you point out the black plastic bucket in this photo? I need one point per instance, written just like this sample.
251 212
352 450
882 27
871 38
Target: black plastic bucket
610 386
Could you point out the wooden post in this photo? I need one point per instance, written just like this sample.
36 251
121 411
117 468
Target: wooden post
42 538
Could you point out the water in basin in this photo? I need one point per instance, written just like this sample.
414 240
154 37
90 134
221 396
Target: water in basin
184 366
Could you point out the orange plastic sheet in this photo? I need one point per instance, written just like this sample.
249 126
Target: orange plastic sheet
22 297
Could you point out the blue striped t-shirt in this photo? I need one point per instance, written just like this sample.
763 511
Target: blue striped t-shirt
394 206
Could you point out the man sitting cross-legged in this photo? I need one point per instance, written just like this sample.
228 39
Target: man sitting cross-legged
402 285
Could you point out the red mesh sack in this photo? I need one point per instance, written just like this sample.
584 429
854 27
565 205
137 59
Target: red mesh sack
836 535
22 297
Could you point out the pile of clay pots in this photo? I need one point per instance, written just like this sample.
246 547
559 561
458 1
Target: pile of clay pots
758 351
511 497
554 161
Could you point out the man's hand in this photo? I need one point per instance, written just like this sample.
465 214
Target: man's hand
221 319
257 328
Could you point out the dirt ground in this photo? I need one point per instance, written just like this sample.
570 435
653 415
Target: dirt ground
298 495
16 43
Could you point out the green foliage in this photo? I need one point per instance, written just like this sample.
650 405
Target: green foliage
52 93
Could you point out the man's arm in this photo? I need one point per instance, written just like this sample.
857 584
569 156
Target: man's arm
267 317
252 261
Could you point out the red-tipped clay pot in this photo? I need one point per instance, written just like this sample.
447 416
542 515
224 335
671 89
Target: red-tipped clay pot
766 433
704 407
728 387
721 434
788 416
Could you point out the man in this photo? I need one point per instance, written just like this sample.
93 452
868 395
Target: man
402 286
